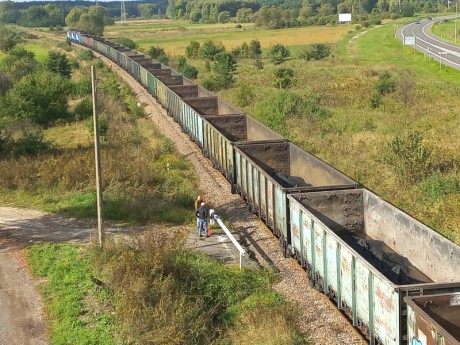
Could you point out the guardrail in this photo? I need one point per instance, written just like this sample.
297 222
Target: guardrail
213 215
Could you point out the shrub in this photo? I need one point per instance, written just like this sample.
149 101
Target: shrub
103 125
192 50
279 53
58 63
244 95
438 186
210 49
85 54
284 105
189 71
31 143
283 78
126 42
84 109
155 52
409 157
317 51
386 83
238 26
82 87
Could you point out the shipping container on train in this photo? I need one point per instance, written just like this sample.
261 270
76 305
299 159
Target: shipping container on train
433 320
266 173
222 132
366 254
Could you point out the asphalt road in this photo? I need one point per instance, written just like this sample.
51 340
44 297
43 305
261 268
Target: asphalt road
448 54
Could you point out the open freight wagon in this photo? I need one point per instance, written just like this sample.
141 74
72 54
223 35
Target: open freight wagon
222 132
433 320
190 103
267 172
367 255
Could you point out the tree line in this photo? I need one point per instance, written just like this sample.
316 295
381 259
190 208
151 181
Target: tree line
272 14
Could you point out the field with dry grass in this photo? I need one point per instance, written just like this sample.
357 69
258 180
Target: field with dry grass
359 136
174 36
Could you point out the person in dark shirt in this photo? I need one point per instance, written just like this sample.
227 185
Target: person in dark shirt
202 215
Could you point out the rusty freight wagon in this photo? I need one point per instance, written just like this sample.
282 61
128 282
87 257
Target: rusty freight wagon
195 108
222 132
433 320
367 255
267 172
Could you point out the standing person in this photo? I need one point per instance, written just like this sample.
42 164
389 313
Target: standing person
198 202
202 214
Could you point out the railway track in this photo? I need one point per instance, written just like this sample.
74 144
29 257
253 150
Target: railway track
317 314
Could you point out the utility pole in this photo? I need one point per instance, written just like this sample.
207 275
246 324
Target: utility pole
456 12
123 13
97 152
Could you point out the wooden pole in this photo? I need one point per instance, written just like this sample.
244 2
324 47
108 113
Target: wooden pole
97 152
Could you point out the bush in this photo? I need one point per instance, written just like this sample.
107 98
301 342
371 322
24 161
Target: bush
192 50
103 125
82 87
438 186
126 42
31 143
189 71
409 157
279 53
284 105
386 83
155 52
244 95
283 78
84 109
85 54
317 51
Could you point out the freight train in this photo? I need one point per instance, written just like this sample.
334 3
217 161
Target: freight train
367 255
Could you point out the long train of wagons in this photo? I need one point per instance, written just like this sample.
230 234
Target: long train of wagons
372 259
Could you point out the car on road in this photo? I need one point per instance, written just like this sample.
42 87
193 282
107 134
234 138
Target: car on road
417 22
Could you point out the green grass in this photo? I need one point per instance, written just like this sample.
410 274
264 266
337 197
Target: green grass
446 30
77 312
40 51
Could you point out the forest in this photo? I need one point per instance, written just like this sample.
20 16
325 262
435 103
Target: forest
271 14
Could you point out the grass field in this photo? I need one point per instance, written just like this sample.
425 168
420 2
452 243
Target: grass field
446 30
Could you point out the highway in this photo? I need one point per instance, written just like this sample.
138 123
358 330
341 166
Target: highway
432 46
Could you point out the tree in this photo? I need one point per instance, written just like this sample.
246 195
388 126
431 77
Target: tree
244 15
40 97
155 52
283 78
74 16
187 70
5 83
254 49
192 50
18 63
9 13
224 17
316 51
58 63
279 53
8 39
224 66
91 23
210 49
